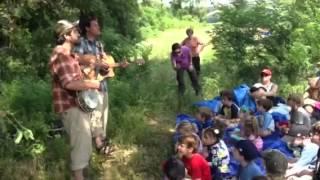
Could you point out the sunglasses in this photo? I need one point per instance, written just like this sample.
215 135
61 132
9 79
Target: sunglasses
178 51
264 75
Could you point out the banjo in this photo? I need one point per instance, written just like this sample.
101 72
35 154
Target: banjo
88 100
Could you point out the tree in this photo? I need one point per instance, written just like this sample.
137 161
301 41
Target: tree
27 34
268 33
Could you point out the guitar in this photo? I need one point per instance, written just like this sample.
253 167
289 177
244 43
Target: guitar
107 68
88 99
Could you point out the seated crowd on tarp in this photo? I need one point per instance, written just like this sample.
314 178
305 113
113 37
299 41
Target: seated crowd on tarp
249 133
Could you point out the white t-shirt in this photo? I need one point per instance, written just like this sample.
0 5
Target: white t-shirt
268 87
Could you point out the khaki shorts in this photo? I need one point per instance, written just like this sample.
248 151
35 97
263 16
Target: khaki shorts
77 126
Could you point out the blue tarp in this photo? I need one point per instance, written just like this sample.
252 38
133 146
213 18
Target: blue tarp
241 97
213 104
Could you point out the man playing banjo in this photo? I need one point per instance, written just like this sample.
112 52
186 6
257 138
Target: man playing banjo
66 82
91 54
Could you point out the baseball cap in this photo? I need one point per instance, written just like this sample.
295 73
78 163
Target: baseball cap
247 149
295 133
266 71
276 163
256 87
302 132
64 26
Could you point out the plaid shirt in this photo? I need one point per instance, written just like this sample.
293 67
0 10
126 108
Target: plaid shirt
88 47
64 69
91 47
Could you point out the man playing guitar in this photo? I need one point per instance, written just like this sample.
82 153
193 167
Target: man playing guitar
67 80
92 57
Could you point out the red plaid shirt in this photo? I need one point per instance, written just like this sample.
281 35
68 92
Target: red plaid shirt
64 69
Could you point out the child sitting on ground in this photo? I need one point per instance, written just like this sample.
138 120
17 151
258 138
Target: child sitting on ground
276 164
313 172
312 95
266 122
187 128
244 112
229 113
257 93
299 121
246 152
308 155
250 131
174 169
216 152
197 167
204 119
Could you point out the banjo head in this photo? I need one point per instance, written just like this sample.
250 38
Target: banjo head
88 100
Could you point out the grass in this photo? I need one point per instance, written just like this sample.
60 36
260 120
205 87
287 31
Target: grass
144 135
143 106
161 44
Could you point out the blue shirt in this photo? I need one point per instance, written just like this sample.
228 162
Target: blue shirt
267 122
86 46
250 171
308 155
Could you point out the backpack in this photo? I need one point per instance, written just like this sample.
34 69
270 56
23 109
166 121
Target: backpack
242 97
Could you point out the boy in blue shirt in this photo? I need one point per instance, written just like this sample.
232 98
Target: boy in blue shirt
266 121
308 154
246 152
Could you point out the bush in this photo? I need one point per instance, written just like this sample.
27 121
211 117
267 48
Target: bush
26 107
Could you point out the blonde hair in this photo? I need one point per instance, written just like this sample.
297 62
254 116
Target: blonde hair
250 126
186 128
315 129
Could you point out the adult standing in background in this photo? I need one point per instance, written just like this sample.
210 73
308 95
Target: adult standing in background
181 60
196 46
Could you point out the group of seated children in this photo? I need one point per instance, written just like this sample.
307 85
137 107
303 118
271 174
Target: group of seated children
228 143
205 150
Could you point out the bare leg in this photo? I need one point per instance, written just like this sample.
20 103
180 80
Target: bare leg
78 174
98 141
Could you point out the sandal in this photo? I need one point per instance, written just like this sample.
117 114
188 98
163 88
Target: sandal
105 149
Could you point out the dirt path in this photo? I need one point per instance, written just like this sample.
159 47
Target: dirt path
142 160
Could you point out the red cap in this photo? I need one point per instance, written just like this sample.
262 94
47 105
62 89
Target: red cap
266 71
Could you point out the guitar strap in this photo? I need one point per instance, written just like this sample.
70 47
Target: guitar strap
98 53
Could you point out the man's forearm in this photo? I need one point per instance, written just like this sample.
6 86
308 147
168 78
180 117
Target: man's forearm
82 85
86 60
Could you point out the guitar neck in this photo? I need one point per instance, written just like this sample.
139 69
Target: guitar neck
114 65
